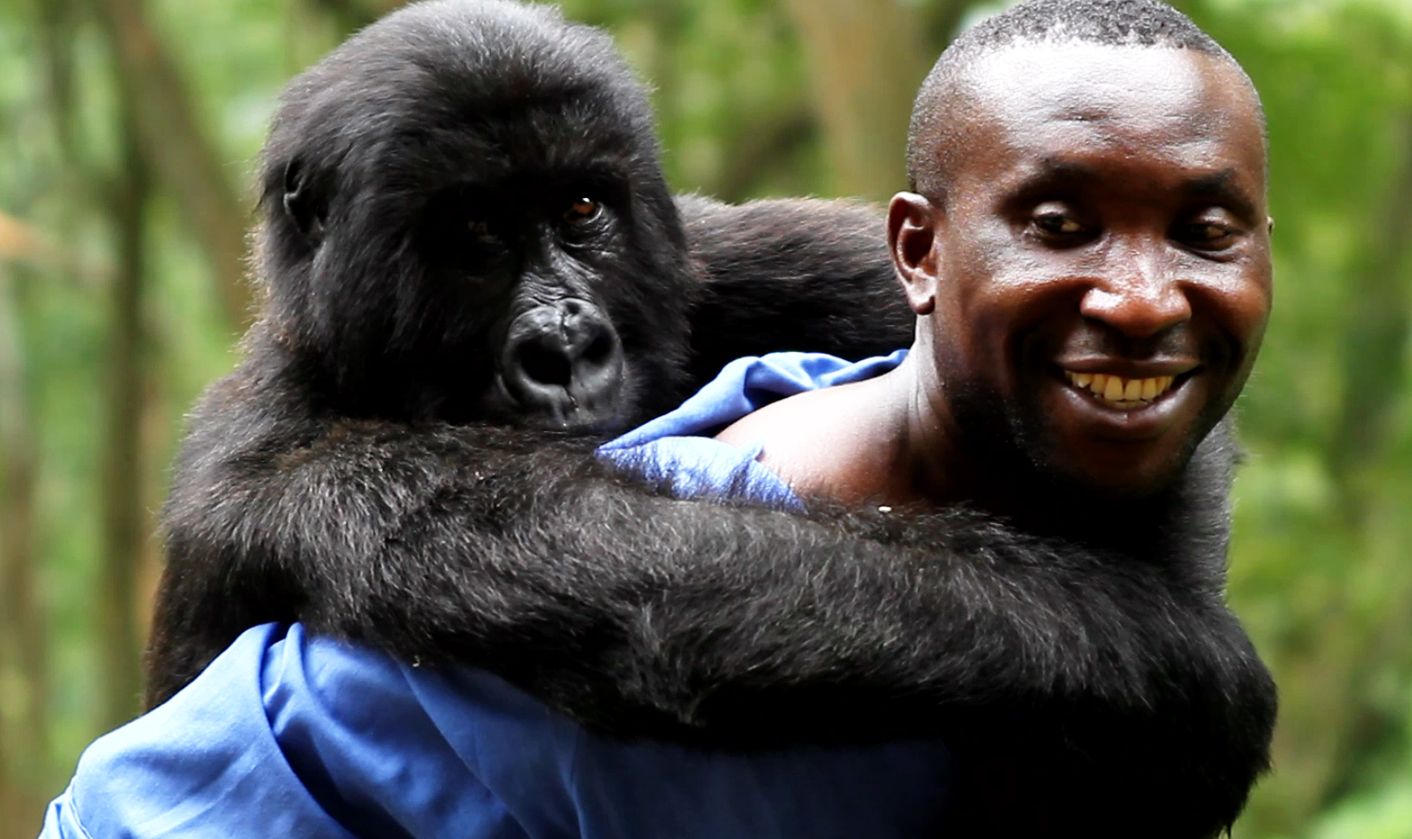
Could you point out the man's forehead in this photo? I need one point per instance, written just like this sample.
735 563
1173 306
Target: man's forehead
1077 75
1044 98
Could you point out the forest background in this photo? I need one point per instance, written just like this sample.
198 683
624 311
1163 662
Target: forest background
128 134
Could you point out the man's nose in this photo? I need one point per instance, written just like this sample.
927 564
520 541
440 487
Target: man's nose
1139 298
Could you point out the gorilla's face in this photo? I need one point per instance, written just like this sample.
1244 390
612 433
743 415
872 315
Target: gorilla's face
477 228
523 261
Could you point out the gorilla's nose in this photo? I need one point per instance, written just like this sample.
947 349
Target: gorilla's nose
563 362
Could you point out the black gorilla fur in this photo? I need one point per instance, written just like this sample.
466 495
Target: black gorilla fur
366 469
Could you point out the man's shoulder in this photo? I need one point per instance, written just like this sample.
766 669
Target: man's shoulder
823 443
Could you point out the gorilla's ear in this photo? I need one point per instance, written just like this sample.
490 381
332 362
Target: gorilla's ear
303 204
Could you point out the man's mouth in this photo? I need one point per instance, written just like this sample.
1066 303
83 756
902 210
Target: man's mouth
1119 392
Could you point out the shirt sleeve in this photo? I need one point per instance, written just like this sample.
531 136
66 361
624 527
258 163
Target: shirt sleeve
678 451
204 763
286 734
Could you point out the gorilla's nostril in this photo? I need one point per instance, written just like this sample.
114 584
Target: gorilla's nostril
546 364
600 349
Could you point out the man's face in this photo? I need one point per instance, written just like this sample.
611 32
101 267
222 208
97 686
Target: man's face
1102 258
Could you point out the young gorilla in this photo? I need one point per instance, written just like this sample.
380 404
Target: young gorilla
465 221
547 284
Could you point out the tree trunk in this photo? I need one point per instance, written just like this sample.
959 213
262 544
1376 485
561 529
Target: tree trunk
1374 361
1373 357
24 650
182 154
124 523
867 58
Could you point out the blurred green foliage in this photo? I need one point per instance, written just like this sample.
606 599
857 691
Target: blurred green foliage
749 105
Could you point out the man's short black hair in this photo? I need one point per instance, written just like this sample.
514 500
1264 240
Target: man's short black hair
1145 23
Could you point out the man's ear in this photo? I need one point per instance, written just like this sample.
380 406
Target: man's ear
911 239
303 204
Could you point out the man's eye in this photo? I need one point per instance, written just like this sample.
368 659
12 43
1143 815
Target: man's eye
582 211
1208 235
1058 224
1055 220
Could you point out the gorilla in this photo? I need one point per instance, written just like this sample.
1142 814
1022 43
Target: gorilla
474 273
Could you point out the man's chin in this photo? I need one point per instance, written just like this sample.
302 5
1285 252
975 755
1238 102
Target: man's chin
1044 463
1117 473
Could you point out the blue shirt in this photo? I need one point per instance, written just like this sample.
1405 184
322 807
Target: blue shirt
291 735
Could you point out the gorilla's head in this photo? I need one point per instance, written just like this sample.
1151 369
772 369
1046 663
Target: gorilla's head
464 217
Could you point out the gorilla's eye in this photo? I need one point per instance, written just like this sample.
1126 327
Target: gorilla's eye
582 210
480 233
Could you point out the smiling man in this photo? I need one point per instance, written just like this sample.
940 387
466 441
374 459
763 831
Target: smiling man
1086 247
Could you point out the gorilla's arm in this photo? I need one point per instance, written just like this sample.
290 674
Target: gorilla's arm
791 274
640 614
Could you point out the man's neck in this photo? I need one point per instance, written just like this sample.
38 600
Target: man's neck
885 441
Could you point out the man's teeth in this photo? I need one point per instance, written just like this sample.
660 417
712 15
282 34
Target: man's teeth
1121 392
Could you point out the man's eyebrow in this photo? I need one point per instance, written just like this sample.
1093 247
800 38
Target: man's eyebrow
1057 170
1049 175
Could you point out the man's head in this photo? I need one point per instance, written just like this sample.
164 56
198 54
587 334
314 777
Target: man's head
1087 241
